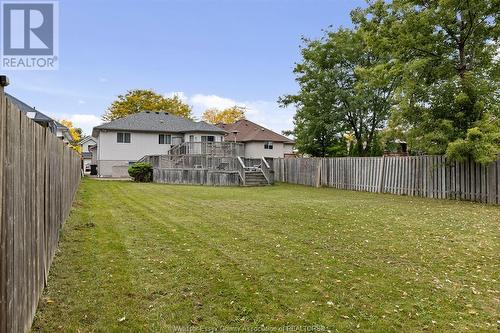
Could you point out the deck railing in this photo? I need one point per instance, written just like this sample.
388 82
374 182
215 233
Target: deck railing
210 156
219 149
196 162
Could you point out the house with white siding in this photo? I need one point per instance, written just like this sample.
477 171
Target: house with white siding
258 140
124 141
85 144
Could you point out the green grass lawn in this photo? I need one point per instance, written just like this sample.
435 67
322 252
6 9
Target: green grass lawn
148 257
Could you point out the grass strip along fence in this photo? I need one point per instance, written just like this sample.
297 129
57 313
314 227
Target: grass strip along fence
423 176
39 176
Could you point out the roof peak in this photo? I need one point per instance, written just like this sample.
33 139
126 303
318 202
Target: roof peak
151 111
157 121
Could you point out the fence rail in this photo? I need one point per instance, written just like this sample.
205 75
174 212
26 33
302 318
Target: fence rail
424 176
39 176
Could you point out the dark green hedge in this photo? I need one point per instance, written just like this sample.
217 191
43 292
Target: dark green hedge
141 172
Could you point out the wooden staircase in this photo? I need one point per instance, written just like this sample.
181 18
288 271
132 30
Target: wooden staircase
260 175
255 178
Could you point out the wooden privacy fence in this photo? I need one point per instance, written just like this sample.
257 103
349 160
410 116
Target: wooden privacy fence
39 176
424 176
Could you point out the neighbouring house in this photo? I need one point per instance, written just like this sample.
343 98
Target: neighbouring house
124 141
93 159
85 145
258 140
62 132
38 117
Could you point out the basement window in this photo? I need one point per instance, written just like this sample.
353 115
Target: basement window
164 139
268 145
122 137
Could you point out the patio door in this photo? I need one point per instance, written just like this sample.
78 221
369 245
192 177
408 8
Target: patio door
206 140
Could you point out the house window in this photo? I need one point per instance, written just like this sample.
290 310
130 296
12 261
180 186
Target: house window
122 137
191 138
207 138
164 139
268 145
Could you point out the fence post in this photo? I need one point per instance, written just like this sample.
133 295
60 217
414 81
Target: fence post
492 182
318 172
381 176
3 232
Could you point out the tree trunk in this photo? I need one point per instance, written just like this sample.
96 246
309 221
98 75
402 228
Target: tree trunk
462 65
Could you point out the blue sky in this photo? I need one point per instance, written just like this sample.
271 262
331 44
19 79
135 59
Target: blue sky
212 53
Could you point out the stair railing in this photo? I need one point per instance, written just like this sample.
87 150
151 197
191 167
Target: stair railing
267 171
176 150
241 170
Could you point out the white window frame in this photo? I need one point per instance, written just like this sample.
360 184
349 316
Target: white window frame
123 137
269 145
167 139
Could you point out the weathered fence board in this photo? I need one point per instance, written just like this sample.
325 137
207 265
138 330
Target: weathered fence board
196 177
424 176
39 176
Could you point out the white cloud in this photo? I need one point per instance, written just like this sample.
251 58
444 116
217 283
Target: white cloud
103 80
265 113
84 121
81 101
212 101
270 115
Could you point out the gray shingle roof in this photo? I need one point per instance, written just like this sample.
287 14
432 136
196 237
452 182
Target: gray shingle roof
38 117
34 114
87 138
149 121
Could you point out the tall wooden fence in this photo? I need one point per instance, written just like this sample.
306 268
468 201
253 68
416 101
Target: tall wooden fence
39 176
424 176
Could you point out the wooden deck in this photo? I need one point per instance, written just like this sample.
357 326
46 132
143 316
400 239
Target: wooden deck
209 163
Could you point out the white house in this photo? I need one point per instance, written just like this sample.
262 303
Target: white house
124 141
258 140
85 145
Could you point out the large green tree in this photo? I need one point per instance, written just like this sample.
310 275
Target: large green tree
139 100
446 53
335 96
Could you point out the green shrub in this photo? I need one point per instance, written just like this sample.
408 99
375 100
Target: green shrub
141 172
482 143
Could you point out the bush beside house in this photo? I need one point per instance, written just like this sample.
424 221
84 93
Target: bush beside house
141 172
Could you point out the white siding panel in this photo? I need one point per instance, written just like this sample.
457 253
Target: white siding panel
256 150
